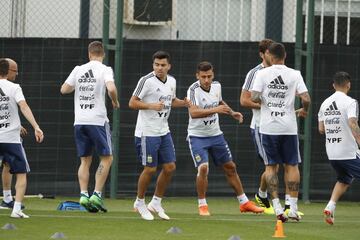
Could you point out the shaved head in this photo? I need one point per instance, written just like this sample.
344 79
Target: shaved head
13 69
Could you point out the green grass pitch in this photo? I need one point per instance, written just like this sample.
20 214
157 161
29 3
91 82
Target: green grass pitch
226 220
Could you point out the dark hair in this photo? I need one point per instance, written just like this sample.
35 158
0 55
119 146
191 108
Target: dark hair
264 44
96 48
277 50
204 66
4 67
341 78
161 55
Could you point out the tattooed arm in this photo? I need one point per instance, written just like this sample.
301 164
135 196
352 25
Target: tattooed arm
353 123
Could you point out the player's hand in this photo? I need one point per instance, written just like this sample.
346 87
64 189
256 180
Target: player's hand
39 135
23 132
115 104
223 109
301 113
238 116
187 102
157 106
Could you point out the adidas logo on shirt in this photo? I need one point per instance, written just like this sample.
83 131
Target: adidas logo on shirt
278 83
332 110
88 77
3 96
158 90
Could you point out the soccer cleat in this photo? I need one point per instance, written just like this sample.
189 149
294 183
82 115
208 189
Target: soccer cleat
282 217
204 210
18 214
329 217
265 204
97 201
293 216
143 211
157 208
250 206
9 205
85 202
287 210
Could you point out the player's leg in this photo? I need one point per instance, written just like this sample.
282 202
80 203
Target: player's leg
198 149
291 158
101 138
346 171
167 160
6 177
271 144
84 147
16 158
222 156
261 197
147 152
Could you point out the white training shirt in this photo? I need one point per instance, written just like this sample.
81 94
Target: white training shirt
249 82
89 81
206 126
10 95
278 86
150 89
335 112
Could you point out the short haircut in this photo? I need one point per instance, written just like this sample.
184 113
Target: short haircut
341 79
277 50
4 67
204 66
264 44
96 48
161 55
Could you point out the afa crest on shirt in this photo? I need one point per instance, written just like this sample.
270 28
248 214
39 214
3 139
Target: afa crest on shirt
197 158
149 159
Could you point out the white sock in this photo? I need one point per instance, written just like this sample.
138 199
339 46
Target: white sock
17 206
331 206
287 199
202 202
140 200
277 206
262 194
98 193
85 193
293 204
7 196
156 199
242 199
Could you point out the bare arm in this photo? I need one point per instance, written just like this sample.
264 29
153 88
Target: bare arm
353 123
321 127
256 97
136 104
180 103
245 100
305 100
66 89
113 94
26 111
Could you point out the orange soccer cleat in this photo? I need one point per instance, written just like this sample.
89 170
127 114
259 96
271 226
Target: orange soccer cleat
250 207
204 210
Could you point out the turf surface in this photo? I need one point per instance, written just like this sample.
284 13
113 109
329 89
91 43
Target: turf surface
226 220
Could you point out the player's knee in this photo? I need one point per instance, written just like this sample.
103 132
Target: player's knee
203 170
150 170
230 168
169 168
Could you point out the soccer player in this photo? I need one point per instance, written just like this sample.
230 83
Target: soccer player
12 98
154 96
205 137
338 120
92 131
275 88
6 176
245 101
